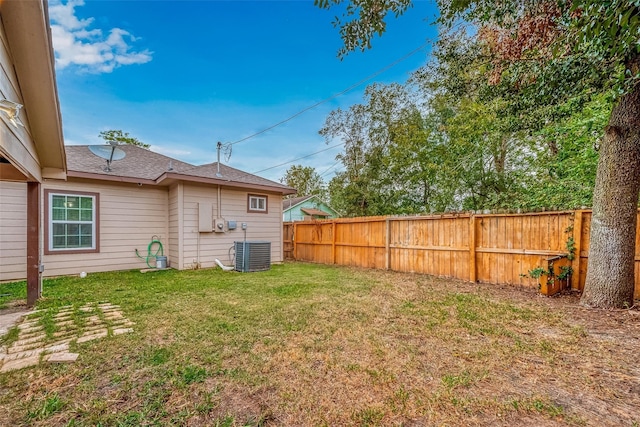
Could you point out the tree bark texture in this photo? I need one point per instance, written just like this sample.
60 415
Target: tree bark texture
610 272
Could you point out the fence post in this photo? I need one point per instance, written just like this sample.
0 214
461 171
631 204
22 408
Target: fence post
387 244
473 272
293 238
333 242
577 241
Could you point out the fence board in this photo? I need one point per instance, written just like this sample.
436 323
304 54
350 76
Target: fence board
287 240
492 248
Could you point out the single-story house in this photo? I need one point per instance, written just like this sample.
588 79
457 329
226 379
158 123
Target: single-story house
98 217
31 142
305 208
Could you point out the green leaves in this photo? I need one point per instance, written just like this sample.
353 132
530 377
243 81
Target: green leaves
507 116
388 157
306 180
361 20
449 140
122 138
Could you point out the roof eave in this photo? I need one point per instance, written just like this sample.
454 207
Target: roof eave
168 178
172 176
26 24
112 178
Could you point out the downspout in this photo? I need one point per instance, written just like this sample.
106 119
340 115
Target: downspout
198 252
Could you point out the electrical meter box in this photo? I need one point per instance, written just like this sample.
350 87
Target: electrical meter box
218 225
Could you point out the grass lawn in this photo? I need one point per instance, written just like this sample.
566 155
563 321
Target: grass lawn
306 345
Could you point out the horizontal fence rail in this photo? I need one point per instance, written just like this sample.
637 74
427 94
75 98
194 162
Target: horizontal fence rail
491 248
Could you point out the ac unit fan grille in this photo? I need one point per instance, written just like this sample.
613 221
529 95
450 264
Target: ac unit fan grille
252 256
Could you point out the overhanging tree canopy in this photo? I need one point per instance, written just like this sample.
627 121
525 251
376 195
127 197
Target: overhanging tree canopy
551 52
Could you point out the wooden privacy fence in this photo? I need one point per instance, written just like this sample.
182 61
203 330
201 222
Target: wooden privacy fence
492 248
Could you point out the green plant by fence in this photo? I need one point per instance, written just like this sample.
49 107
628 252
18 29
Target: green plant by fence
491 248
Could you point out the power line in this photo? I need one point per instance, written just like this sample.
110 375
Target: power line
380 71
377 73
299 158
327 170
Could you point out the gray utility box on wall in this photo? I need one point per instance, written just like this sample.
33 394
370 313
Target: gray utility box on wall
252 256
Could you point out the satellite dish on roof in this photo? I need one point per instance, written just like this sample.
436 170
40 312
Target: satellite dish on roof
109 152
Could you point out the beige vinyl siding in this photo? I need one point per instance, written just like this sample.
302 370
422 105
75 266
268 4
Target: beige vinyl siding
13 231
15 142
204 248
130 216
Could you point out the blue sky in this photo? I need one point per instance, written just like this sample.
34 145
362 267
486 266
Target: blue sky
182 75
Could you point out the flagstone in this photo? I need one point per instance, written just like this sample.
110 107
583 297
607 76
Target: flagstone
20 363
90 337
65 323
30 326
32 339
23 354
64 357
65 333
22 348
57 348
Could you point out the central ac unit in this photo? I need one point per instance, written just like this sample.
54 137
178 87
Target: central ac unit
252 256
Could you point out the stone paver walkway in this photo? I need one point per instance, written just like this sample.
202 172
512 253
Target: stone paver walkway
10 318
89 322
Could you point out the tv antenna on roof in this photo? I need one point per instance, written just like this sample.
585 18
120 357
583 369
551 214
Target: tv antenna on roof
108 152
226 149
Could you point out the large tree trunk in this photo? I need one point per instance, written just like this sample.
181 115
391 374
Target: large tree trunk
610 273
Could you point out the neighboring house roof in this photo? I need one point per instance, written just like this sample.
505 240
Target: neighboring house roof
148 167
315 212
294 201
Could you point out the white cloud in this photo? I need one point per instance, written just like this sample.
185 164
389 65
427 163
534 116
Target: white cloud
89 49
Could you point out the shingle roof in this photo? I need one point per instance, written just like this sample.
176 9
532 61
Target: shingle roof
142 164
230 174
138 162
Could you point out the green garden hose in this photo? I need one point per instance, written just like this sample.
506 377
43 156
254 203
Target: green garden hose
155 240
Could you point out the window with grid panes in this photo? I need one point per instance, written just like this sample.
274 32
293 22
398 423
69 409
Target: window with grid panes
72 222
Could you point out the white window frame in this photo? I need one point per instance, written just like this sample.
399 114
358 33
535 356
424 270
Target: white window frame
50 222
255 200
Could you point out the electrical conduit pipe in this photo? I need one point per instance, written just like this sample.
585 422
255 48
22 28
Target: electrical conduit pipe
224 267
